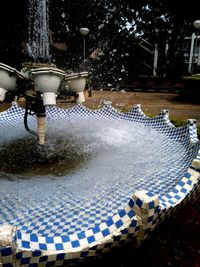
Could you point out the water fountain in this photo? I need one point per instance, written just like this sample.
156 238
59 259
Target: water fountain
39 82
103 176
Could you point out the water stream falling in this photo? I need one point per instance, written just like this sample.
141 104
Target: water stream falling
38 30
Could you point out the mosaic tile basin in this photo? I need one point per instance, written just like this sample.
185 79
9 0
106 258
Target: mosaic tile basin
103 178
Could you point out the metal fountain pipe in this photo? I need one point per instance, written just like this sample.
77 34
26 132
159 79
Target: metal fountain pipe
37 108
41 127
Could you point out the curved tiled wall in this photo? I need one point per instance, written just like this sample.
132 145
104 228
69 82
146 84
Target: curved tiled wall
143 211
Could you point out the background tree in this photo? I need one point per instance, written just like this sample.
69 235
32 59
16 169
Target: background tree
117 28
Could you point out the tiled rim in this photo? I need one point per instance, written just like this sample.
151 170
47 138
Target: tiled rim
140 216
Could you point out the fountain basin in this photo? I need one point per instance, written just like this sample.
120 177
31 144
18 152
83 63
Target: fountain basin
47 81
8 79
91 212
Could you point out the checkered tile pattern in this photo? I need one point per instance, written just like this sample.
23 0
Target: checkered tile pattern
50 235
12 116
192 127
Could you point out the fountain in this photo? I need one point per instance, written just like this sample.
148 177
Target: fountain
38 82
101 178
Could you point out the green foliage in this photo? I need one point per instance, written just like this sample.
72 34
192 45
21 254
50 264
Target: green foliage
192 78
177 122
124 56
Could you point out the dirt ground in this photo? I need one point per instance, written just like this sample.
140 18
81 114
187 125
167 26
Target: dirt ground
151 103
176 242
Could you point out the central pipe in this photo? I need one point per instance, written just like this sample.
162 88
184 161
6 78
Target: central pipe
41 128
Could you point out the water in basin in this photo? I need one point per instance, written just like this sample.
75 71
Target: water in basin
86 172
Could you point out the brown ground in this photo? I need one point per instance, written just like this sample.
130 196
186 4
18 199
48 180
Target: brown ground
176 242
151 103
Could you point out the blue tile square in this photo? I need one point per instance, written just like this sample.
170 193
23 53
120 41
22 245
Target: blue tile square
119 223
131 214
65 239
25 261
149 194
43 259
124 232
33 238
151 205
81 235
18 255
19 235
25 244
84 254
6 251
60 256
49 240
105 232
139 203
131 203
42 246
133 223
183 190
91 239
36 253
59 246
187 175
122 213
96 229
109 222
75 244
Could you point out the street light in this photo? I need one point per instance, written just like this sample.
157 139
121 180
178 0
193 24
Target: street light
196 24
84 32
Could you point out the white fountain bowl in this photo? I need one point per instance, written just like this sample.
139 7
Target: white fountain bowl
76 81
8 79
76 84
47 81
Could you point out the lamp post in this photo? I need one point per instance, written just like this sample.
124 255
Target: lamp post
196 24
84 32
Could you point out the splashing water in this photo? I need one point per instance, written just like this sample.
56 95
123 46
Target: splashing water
38 30
97 162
